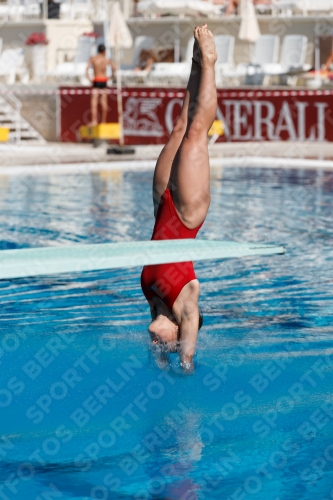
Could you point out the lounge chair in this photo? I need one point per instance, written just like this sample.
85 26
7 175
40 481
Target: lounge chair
76 9
81 9
292 60
140 43
76 69
262 8
128 74
66 11
32 9
12 66
178 73
323 6
12 11
225 45
178 7
175 73
266 52
4 12
286 7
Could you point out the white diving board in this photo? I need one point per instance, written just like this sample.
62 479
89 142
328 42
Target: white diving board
77 258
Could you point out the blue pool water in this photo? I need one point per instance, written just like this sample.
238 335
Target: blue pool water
85 411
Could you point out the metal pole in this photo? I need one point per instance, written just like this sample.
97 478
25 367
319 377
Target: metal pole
317 58
176 42
17 11
317 53
18 122
45 9
106 28
119 97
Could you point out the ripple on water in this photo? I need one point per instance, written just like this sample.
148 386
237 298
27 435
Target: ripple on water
265 353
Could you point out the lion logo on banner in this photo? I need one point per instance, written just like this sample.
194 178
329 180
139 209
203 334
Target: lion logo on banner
140 117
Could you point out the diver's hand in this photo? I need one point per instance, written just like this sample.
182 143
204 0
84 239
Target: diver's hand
188 367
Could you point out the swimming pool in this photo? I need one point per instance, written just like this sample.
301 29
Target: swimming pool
85 412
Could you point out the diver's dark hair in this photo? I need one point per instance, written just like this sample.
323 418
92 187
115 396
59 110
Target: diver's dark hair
101 48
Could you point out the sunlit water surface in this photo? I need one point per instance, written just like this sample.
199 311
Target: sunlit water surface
85 411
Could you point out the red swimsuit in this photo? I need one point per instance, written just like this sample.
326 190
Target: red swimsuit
166 281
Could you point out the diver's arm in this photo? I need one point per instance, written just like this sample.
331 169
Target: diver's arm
89 64
188 340
186 312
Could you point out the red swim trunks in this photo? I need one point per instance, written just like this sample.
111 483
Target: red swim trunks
166 281
100 82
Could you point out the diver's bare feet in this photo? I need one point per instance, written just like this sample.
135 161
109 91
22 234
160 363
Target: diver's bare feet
206 42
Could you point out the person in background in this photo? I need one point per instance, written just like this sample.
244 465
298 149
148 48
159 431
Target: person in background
234 4
136 13
329 62
146 60
232 7
99 63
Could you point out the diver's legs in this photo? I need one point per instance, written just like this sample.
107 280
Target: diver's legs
190 177
168 153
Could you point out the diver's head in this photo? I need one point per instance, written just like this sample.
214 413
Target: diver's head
164 329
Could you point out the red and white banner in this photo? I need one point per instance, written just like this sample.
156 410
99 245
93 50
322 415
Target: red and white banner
248 115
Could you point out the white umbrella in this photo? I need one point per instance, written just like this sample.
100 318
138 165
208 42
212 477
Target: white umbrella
249 28
119 37
177 7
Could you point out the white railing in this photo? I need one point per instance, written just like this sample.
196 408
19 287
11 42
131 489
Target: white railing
16 106
17 10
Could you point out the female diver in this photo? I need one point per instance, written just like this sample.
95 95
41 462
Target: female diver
181 196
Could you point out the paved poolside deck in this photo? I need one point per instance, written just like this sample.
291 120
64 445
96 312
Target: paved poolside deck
233 153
